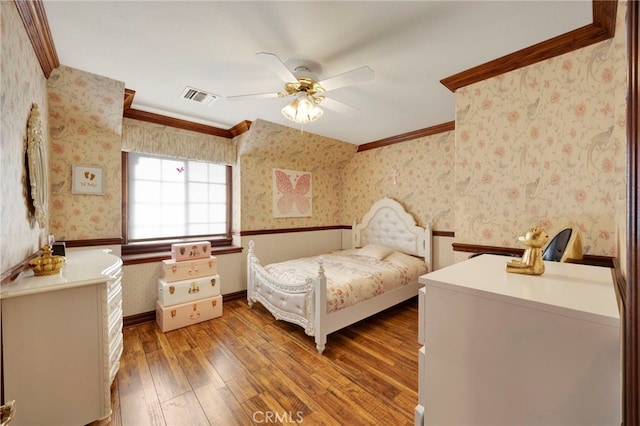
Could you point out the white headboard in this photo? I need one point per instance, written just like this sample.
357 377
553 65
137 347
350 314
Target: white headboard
388 224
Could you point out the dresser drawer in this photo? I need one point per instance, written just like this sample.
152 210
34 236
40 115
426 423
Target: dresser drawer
421 315
114 303
114 283
115 328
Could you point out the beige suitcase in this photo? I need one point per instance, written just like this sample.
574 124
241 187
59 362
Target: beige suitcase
178 292
191 251
178 316
173 270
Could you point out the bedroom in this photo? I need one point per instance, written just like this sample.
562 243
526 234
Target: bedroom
377 164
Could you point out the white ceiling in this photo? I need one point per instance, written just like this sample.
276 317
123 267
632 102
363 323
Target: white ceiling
157 48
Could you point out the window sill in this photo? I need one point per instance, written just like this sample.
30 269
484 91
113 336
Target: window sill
152 257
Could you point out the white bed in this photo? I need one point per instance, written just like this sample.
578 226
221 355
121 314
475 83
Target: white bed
305 301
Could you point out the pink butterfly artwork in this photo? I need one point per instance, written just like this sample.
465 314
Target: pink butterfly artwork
293 192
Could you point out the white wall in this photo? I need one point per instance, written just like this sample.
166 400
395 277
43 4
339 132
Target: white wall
139 281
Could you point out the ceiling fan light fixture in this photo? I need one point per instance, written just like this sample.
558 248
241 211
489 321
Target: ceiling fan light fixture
302 109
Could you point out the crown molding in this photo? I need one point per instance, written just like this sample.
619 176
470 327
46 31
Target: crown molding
35 22
164 120
427 131
151 117
602 28
240 128
128 98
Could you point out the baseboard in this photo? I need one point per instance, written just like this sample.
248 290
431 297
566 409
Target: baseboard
144 317
137 319
234 296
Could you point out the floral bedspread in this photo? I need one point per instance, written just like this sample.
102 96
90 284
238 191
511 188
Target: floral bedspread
352 278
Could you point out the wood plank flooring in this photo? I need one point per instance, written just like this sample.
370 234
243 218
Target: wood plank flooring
246 368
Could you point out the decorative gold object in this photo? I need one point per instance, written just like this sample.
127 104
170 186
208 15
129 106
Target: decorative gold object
531 262
47 264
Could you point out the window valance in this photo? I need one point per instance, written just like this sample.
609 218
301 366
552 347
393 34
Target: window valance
150 138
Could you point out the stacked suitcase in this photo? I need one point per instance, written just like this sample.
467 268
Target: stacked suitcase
189 289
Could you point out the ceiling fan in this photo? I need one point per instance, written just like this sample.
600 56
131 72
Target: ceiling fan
308 92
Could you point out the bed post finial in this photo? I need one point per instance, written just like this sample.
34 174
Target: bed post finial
251 244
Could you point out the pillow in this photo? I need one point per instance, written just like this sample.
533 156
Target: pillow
404 259
375 251
346 252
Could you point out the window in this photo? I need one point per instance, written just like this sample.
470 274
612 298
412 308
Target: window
171 199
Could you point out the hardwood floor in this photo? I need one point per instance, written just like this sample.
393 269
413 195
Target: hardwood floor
247 368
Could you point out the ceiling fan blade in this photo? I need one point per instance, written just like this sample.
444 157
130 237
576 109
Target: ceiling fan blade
254 96
277 66
356 76
338 106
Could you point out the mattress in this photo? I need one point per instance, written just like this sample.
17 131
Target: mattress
353 275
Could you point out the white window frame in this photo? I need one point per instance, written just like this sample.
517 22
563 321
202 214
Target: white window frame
223 237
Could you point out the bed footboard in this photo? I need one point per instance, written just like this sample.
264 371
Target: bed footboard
295 303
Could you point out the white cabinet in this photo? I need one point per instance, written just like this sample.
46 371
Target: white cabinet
511 349
62 341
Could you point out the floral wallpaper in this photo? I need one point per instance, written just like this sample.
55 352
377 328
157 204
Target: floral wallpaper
86 126
23 84
267 146
540 145
544 145
418 174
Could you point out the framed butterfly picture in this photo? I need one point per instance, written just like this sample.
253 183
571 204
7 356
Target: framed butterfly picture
291 193
87 180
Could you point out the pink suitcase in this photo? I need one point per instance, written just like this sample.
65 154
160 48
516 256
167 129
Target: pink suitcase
177 292
191 251
178 316
173 270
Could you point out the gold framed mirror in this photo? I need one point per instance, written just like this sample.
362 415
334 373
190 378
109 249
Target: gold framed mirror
38 176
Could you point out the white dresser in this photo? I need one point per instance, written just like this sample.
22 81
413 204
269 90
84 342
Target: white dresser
62 340
510 349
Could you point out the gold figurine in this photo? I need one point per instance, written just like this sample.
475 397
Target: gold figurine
531 262
47 264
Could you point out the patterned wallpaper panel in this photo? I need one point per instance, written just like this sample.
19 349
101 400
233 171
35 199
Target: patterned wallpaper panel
267 146
23 84
86 125
281 144
418 174
544 145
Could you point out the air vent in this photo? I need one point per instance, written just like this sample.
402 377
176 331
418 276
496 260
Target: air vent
199 96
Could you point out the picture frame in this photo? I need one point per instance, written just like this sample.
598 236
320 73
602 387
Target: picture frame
87 180
292 193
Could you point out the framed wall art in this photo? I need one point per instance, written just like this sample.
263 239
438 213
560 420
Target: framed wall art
291 193
87 180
